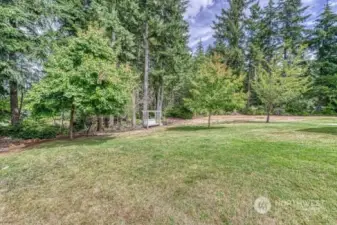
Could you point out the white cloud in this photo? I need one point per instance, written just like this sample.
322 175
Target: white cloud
203 39
200 22
306 2
195 5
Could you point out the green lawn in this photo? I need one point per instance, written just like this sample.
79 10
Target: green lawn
181 175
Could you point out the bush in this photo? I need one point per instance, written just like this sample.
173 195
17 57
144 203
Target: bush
30 130
328 110
179 112
255 110
4 131
300 107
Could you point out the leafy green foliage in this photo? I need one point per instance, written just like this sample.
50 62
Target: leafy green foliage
179 112
4 109
292 20
281 82
254 56
215 88
30 129
21 27
269 30
229 34
84 76
324 69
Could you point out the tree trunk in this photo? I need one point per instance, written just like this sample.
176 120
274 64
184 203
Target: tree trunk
248 91
119 122
285 53
269 108
134 108
209 119
160 98
106 121
62 119
111 121
71 124
268 117
90 126
14 102
146 74
99 123
21 103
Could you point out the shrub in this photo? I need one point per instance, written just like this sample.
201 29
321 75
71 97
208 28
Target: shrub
300 107
329 110
179 112
255 110
30 130
4 131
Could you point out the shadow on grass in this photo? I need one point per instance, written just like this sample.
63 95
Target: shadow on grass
193 128
81 141
324 130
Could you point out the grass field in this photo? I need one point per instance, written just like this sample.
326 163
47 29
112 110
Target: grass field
180 175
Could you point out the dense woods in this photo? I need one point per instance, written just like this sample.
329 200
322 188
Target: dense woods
88 65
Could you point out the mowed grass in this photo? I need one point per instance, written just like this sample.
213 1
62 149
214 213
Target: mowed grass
180 175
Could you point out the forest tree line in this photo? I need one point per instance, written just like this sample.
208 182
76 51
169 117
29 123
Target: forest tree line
101 61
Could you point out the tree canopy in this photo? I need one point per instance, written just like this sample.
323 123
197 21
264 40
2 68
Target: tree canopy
83 76
215 88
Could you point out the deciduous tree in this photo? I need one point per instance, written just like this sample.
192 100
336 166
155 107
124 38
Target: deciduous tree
215 88
83 76
280 82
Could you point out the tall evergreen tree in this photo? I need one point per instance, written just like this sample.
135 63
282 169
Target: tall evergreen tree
324 43
199 56
170 51
200 48
269 29
19 31
229 33
254 32
292 17
162 32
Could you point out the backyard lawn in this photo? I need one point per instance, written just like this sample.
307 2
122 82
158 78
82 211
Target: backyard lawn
178 175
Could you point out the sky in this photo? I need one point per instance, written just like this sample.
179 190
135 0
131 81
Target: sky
201 13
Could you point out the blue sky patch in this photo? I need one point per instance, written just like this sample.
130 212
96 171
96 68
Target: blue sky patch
201 13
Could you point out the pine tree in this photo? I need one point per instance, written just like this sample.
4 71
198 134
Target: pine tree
210 50
229 33
199 49
19 23
145 6
170 52
269 29
162 32
199 55
292 18
324 42
254 57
